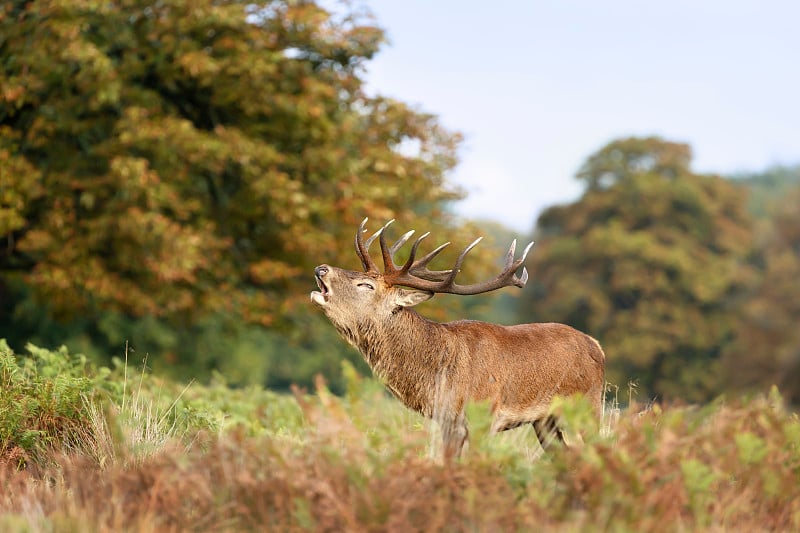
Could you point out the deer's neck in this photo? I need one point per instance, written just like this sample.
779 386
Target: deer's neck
411 354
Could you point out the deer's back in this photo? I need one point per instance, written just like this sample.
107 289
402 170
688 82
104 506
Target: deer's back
526 365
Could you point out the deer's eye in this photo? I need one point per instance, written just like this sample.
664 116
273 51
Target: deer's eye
369 286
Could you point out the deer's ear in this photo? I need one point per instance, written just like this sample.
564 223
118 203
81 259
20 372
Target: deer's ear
409 298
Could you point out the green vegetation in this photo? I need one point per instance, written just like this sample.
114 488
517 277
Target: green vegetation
217 458
42 403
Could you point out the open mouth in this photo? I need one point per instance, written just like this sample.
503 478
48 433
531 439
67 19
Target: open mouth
322 287
323 295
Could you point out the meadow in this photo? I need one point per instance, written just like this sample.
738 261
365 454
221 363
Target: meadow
84 448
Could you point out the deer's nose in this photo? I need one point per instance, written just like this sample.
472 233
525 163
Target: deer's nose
321 270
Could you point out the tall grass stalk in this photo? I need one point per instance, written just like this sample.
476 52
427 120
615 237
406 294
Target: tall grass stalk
136 426
611 410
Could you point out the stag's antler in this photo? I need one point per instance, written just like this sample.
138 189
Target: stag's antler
414 272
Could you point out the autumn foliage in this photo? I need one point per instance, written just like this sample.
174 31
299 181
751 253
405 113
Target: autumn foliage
173 158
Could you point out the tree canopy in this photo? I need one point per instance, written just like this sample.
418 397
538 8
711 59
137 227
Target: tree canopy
648 260
173 158
766 347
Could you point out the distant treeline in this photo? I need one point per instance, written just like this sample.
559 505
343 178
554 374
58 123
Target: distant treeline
692 285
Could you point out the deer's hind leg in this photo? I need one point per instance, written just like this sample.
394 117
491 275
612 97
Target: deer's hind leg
548 432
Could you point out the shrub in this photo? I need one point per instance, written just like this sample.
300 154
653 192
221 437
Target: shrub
42 405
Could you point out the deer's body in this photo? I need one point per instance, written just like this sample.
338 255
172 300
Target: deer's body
436 368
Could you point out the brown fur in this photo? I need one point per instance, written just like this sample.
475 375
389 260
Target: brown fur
437 368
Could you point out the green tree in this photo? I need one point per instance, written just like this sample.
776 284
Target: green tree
766 347
169 158
648 261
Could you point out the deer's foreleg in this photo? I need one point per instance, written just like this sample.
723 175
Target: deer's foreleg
454 436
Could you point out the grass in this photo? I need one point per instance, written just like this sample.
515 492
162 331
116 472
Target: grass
140 454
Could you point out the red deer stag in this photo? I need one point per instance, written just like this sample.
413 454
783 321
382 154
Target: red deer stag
436 368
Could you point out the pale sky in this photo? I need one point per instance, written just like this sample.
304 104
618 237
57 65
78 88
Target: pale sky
538 86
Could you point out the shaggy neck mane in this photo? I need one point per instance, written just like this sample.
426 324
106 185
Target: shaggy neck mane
402 351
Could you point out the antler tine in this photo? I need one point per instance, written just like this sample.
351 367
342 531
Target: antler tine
427 258
413 254
457 267
388 261
378 233
525 251
400 242
419 268
510 255
523 279
511 266
362 248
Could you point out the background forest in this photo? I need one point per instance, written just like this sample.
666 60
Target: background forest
171 173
